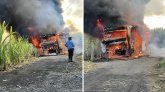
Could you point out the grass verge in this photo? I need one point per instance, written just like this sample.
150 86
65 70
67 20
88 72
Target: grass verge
162 64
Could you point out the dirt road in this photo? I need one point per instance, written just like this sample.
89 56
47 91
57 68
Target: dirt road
120 76
49 74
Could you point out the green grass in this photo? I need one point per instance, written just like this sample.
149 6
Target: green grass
162 64
13 51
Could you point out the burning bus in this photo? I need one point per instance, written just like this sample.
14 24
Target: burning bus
47 44
122 41
50 44
118 25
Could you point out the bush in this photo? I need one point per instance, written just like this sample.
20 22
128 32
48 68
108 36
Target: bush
12 50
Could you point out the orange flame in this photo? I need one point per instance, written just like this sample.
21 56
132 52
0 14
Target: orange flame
56 37
35 42
137 44
132 46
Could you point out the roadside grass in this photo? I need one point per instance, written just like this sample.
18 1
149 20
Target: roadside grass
13 50
92 51
91 48
162 64
157 78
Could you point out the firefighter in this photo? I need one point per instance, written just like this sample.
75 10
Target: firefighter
70 45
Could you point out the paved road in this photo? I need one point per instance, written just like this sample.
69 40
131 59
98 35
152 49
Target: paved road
49 74
120 76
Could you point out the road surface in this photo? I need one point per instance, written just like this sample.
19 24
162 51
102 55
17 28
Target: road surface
120 76
49 74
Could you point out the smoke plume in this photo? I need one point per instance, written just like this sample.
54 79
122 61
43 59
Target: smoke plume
155 16
112 12
73 17
157 42
44 16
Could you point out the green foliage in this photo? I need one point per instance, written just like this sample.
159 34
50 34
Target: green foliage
12 50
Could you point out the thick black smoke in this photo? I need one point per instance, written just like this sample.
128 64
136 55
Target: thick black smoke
112 13
44 16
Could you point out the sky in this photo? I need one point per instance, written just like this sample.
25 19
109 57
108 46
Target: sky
72 13
73 18
155 14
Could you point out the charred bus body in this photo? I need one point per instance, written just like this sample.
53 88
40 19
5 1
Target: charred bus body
50 44
123 41
46 43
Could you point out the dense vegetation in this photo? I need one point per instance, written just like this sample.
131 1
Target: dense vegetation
12 50
91 48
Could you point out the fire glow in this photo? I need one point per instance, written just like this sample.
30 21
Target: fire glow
35 41
47 43
121 41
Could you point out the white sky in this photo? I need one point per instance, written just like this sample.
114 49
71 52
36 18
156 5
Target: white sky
73 11
155 21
